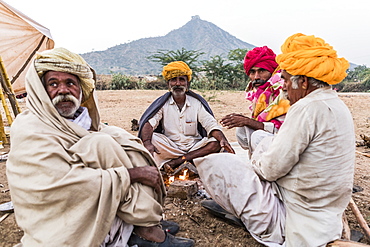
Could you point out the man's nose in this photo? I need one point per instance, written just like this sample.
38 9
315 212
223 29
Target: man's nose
63 89
284 87
257 75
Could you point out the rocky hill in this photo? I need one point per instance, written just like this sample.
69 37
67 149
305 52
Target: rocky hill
131 58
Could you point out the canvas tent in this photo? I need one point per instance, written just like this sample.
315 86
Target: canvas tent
21 38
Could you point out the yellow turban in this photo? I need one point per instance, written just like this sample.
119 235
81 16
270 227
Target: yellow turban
62 60
175 69
312 57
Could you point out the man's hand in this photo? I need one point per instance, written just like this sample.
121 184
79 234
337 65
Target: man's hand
226 146
237 120
234 120
148 175
221 138
151 148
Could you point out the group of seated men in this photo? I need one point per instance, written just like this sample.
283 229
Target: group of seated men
77 182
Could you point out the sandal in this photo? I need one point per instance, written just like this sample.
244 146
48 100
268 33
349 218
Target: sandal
218 211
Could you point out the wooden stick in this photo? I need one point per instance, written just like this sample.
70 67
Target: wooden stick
364 154
345 243
360 219
346 233
4 217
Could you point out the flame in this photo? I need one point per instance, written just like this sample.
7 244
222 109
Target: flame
171 179
184 176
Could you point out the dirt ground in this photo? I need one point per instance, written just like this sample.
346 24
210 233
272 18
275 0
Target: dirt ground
120 107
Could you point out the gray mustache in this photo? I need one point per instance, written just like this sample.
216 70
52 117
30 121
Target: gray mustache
62 98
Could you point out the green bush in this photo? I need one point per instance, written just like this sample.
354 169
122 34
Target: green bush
120 82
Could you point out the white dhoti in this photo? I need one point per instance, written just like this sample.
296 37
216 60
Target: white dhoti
169 150
234 185
118 235
249 138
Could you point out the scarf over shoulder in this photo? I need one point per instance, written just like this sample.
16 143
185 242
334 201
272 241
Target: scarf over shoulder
159 102
267 102
68 184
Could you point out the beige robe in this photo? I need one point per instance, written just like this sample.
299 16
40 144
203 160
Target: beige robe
68 184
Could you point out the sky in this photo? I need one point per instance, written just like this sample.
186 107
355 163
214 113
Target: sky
90 25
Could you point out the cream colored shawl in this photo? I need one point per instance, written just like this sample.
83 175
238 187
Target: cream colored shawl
67 183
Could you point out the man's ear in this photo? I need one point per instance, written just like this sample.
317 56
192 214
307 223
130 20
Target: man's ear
304 82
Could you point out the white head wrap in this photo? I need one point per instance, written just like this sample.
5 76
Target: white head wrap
62 60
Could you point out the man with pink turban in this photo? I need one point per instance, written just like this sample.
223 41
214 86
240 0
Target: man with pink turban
268 107
297 186
179 126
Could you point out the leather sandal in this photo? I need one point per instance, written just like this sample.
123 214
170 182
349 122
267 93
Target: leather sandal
218 211
170 227
170 241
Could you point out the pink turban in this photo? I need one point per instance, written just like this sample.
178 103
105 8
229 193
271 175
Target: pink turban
262 57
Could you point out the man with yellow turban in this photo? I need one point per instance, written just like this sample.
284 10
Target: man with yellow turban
179 126
297 185
268 106
75 181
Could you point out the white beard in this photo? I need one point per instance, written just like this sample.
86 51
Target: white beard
177 92
67 112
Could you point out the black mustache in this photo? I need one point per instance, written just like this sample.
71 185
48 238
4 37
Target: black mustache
178 87
258 82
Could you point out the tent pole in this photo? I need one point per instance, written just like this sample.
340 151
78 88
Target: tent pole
3 100
7 87
28 59
2 130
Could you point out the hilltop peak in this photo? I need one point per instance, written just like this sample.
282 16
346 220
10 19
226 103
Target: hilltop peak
196 34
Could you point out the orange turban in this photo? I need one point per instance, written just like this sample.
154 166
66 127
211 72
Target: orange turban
175 69
312 57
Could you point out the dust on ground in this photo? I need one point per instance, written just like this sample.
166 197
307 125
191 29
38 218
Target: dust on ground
120 107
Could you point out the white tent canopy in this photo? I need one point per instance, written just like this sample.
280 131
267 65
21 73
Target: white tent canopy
20 38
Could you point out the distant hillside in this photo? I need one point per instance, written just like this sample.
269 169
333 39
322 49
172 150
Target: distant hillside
131 58
352 66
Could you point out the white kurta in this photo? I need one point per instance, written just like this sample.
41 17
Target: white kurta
312 160
180 129
309 166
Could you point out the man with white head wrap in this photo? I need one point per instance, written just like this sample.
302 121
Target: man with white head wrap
75 181
295 190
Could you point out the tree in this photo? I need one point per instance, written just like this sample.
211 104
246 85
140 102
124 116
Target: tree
357 80
120 82
237 56
227 74
165 57
358 74
219 72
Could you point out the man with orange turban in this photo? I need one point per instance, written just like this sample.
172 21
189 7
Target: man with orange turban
179 126
298 185
268 107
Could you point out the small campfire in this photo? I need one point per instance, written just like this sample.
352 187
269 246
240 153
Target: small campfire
181 183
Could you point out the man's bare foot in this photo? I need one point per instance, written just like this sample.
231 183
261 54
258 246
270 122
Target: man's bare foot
151 233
